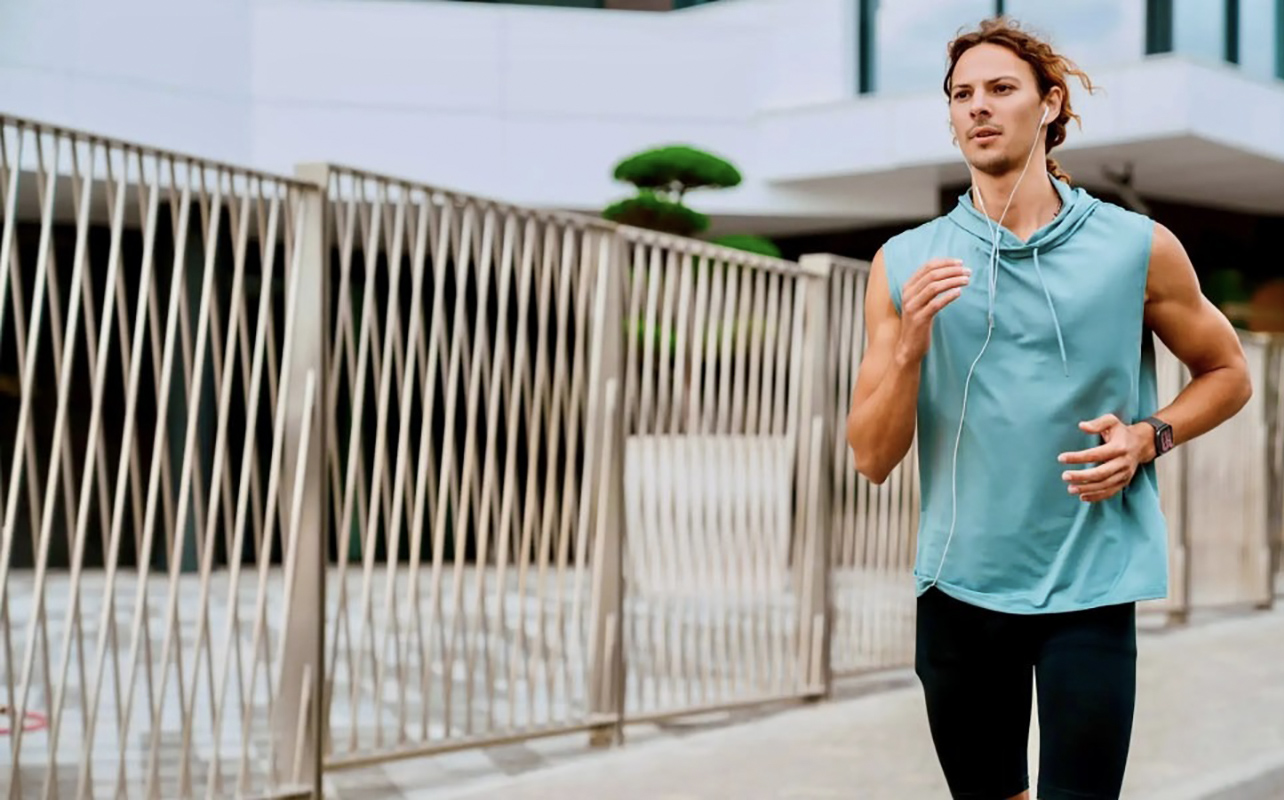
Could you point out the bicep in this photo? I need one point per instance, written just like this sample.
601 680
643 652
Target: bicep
882 329
1188 324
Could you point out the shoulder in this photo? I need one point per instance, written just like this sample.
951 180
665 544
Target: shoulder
901 255
904 252
1169 271
1122 220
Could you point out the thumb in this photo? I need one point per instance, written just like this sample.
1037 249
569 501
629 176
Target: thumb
1100 424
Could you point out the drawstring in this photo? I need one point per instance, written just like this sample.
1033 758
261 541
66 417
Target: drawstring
1051 308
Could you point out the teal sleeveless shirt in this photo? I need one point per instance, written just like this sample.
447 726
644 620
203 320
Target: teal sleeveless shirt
997 526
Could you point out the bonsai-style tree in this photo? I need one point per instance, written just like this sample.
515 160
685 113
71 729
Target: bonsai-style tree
662 177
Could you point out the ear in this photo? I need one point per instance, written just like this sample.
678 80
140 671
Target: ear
1053 103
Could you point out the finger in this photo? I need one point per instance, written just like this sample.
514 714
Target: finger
1097 497
935 264
933 290
1100 424
1096 455
941 301
1111 484
929 270
1096 474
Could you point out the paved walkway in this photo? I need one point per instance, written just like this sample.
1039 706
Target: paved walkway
1210 717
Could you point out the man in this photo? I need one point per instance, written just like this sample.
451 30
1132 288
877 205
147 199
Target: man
1015 333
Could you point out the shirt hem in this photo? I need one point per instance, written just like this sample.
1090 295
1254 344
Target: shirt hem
1008 605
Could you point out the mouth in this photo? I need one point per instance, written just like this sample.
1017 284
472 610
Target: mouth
985 134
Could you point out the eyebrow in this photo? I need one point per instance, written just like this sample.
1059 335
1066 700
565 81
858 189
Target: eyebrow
1011 78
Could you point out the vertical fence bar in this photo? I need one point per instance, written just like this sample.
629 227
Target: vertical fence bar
605 499
1270 385
815 620
303 643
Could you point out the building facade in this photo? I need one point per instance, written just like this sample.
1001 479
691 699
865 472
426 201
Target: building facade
832 109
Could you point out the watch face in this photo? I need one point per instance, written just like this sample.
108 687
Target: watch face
1165 440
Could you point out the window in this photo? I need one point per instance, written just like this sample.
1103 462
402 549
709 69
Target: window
1261 37
1091 33
1249 33
1199 29
903 42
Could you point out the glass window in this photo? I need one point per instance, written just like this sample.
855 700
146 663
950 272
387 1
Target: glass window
910 37
1260 32
1199 28
1091 33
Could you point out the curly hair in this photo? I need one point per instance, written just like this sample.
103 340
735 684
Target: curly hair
1050 69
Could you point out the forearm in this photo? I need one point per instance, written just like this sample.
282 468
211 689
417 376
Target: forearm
1210 399
880 429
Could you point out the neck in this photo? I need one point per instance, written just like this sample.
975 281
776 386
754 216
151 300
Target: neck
1034 205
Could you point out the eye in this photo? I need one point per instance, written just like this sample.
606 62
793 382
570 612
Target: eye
1003 88
961 94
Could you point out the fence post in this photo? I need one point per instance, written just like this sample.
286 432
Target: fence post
1268 384
604 487
298 720
814 520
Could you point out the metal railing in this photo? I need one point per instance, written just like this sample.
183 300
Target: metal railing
465 441
723 431
1221 493
150 480
309 473
874 527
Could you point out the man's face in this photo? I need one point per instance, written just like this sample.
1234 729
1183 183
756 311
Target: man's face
995 109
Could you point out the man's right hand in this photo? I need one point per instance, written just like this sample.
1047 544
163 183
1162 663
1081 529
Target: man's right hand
935 285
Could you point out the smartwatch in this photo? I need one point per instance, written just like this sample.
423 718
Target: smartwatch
1163 435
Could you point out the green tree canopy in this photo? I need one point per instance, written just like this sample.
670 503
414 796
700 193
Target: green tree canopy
677 169
649 210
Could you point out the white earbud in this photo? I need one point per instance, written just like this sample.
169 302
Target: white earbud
1044 118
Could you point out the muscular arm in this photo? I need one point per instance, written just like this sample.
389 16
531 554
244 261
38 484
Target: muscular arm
1201 337
880 425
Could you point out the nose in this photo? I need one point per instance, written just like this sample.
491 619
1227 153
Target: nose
980 105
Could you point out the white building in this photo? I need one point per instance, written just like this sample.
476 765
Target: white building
831 108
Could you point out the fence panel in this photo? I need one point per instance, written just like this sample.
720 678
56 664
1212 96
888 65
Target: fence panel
721 586
148 486
1227 508
874 527
460 457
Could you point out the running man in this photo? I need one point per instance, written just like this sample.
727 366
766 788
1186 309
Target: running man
1015 332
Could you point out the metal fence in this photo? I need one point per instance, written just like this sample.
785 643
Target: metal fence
150 479
873 532
307 473
723 436
466 439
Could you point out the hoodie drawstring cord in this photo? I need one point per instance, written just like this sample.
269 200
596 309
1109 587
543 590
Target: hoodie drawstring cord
1065 365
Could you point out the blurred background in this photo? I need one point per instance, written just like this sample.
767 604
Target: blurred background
399 396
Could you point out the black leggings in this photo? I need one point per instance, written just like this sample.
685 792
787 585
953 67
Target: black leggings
976 667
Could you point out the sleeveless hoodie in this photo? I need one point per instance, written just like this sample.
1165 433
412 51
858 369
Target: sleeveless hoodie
1067 344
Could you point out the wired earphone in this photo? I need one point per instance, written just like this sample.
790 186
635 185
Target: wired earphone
996 233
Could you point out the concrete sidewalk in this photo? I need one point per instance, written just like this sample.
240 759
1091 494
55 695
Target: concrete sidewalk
1210 724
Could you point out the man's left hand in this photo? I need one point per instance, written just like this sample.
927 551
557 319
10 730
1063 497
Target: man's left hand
1123 449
